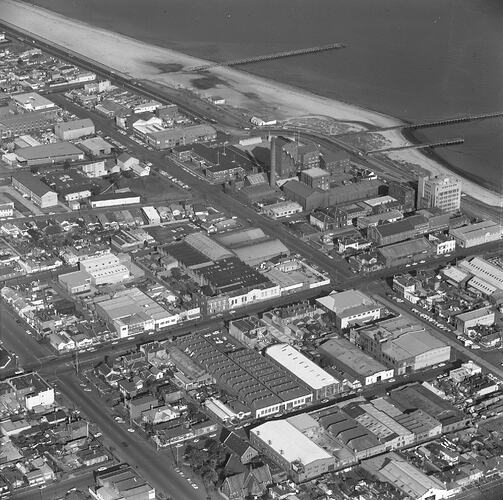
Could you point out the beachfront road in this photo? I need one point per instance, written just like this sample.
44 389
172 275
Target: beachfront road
156 467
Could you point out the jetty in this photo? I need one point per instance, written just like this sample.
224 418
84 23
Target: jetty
268 57
428 124
441 144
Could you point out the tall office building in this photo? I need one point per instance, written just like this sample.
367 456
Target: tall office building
441 191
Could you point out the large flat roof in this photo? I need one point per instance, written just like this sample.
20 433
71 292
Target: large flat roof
48 151
237 238
186 254
303 368
405 248
32 100
259 252
207 246
403 339
75 124
295 446
357 361
348 301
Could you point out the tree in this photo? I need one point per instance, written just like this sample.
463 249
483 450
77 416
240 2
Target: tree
209 476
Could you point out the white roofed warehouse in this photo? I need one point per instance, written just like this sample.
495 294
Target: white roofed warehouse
322 384
293 451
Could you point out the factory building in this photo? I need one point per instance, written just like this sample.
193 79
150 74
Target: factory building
292 450
413 397
105 269
257 253
350 307
131 312
32 187
32 101
170 138
26 123
44 154
289 157
282 209
312 199
484 272
75 129
441 191
404 346
96 146
394 232
405 252
322 384
316 178
114 199
259 383
351 360
404 194
468 320
477 234
335 162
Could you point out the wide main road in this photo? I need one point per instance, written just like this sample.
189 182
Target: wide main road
155 467
447 338
337 269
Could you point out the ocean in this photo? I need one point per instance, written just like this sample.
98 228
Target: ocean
413 59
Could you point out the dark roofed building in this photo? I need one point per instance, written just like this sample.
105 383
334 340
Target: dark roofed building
415 396
35 189
56 152
186 255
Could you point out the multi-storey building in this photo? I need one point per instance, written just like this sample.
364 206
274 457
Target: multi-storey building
442 192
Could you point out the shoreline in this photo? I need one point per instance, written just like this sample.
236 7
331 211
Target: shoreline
240 88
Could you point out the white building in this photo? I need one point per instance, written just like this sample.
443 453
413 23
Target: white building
131 312
350 307
442 192
442 244
105 269
115 200
291 449
32 101
151 215
7 209
94 169
322 384
282 209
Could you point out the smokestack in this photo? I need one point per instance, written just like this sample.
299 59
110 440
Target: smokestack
272 173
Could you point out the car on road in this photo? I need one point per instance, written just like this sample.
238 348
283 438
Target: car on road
87 389
130 429
179 445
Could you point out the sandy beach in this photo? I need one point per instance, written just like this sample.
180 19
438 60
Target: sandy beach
240 89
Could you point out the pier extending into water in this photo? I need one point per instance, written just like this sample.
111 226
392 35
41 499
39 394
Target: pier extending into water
434 123
442 144
268 57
